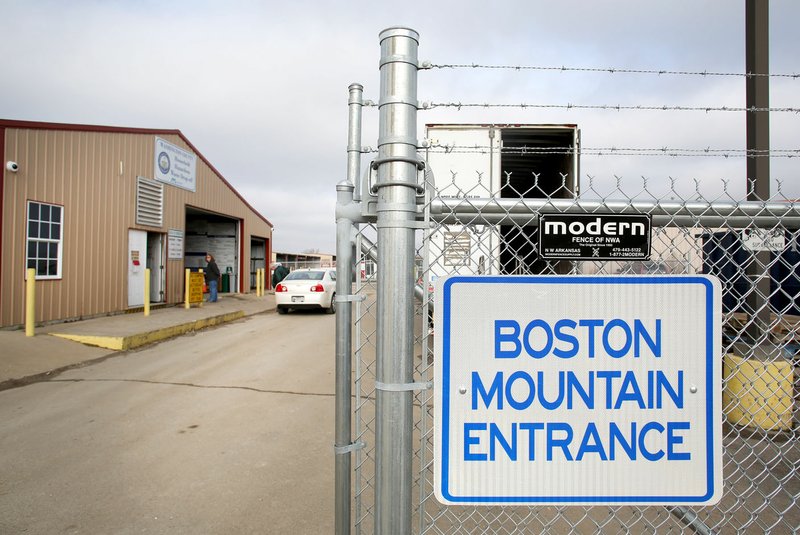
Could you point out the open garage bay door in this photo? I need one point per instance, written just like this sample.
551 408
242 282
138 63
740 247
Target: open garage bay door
217 234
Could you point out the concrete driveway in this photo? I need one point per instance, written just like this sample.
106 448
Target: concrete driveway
228 430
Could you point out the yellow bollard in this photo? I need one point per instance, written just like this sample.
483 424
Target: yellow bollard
30 303
186 303
147 292
202 297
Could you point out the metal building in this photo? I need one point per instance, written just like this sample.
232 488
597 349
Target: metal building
91 207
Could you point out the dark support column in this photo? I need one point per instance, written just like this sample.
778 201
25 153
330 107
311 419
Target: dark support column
758 178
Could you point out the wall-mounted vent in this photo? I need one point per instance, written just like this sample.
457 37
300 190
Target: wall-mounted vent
149 202
457 248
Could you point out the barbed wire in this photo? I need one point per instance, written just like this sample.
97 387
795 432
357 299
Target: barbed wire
608 107
611 107
610 70
619 151
607 151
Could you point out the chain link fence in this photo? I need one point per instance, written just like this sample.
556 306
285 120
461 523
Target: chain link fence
474 220
761 392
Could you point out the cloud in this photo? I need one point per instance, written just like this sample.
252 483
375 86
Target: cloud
261 87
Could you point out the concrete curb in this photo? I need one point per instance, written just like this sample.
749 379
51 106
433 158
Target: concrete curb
123 343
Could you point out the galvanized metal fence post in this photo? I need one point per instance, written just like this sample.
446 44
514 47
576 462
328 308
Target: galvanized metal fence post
343 431
396 185
344 343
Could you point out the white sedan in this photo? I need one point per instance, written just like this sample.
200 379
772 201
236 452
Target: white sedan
307 288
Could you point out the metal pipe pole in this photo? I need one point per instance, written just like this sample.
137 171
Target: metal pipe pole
530 220
488 211
344 370
370 250
757 96
690 519
698 209
355 107
344 342
396 185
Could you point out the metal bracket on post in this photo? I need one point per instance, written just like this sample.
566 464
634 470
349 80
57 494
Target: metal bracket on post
369 202
403 387
355 446
349 298
414 225
377 162
419 188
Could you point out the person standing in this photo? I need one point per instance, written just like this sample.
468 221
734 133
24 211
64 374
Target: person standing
279 274
212 277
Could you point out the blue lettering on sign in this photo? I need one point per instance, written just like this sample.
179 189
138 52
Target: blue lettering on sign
471 440
539 339
604 389
652 441
596 389
502 336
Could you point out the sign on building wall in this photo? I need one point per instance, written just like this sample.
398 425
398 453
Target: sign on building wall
175 166
578 390
175 244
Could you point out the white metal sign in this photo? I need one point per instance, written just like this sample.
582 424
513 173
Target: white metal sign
175 244
578 390
757 239
175 166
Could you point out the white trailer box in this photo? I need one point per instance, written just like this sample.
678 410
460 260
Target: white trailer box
498 161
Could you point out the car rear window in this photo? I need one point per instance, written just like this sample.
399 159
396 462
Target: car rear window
305 276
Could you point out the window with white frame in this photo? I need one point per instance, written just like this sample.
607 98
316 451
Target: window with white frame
45 224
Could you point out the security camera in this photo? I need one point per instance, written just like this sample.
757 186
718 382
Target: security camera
12 166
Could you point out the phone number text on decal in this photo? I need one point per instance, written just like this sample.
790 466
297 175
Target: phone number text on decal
626 252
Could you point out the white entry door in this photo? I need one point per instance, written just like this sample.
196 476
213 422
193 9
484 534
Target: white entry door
137 262
155 254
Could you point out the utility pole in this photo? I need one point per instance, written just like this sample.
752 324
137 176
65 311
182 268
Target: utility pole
757 62
758 178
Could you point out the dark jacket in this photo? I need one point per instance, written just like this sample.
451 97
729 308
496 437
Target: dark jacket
279 274
211 272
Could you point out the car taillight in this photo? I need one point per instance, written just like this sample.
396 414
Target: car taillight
280 288
317 288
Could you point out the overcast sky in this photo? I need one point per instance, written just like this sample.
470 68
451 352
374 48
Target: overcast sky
261 87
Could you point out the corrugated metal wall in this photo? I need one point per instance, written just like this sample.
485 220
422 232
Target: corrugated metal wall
92 174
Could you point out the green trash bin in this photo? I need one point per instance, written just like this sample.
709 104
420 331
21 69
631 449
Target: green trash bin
226 282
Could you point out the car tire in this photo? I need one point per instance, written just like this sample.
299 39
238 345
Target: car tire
282 310
332 309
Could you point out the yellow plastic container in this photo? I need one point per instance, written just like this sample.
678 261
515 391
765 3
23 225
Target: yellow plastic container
758 390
